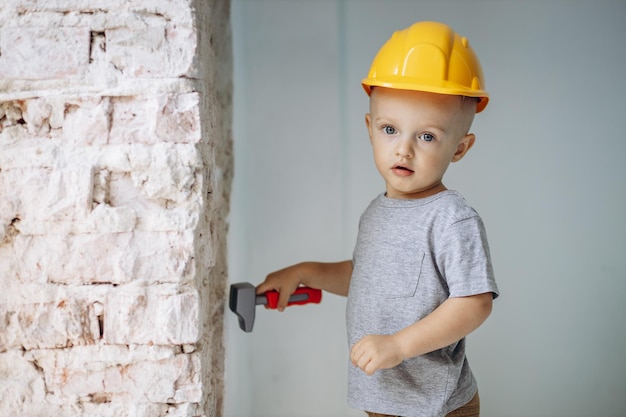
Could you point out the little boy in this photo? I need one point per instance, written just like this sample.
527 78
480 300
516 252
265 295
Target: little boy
421 277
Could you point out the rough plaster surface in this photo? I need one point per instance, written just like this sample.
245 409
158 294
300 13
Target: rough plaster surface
115 172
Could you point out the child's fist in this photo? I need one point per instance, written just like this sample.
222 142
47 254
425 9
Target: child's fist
376 352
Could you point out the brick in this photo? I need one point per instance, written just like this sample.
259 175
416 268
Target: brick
86 120
133 120
178 11
44 53
12 122
66 195
166 173
146 188
103 373
48 325
157 51
107 258
179 118
21 383
167 316
122 406
89 120
173 118
38 118
101 380
46 194
97 357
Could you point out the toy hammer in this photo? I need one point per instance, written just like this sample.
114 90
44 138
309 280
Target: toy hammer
243 301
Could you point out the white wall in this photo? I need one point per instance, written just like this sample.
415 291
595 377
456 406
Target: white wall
546 174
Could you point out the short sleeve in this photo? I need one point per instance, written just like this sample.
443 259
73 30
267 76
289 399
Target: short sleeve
464 259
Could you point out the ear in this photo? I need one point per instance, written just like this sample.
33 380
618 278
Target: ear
464 145
368 124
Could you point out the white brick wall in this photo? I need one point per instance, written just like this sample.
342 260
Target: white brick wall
115 171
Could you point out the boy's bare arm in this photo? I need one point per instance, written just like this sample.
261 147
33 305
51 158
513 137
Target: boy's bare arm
333 277
451 321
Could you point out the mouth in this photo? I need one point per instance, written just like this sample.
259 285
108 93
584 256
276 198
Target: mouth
402 170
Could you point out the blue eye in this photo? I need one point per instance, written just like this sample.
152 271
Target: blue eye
427 137
389 130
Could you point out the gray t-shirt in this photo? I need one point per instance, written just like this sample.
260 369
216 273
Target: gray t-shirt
410 256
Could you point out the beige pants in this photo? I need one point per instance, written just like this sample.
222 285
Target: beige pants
471 409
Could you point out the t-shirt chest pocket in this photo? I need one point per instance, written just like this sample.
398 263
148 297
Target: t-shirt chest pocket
402 270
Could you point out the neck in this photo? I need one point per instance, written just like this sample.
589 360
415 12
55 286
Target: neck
427 192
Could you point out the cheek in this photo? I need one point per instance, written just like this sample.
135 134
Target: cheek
443 155
441 166
380 156
436 163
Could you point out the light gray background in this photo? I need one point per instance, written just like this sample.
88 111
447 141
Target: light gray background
547 175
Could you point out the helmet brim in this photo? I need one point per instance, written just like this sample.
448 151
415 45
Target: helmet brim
401 83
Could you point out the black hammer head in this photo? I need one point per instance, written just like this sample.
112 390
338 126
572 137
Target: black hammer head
242 302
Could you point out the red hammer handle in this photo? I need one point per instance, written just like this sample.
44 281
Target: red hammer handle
303 295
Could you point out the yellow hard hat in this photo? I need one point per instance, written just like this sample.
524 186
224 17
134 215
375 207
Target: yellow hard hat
431 57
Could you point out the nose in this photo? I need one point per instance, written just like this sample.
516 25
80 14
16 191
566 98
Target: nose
404 149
